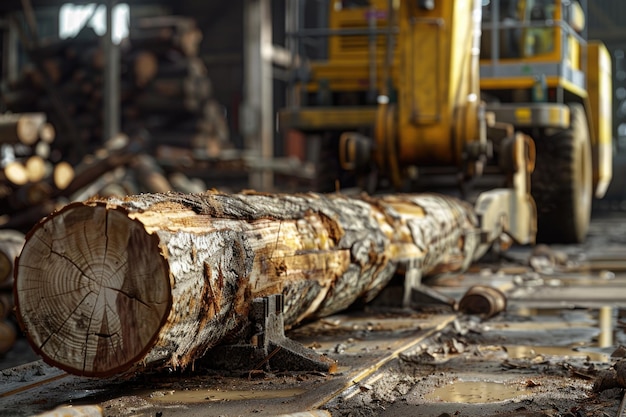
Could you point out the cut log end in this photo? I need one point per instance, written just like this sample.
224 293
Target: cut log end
63 175
16 173
28 129
47 133
92 290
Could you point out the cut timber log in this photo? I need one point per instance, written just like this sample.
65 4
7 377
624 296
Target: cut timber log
112 286
35 168
6 304
150 175
117 152
8 335
16 173
47 133
62 175
11 243
21 128
145 67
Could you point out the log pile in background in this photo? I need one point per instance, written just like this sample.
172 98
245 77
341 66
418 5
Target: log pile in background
173 94
120 167
166 98
161 278
29 172
164 87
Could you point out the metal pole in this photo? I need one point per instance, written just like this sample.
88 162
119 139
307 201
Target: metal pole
258 109
111 77
11 45
292 44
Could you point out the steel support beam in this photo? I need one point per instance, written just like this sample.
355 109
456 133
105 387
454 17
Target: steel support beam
111 77
257 115
11 47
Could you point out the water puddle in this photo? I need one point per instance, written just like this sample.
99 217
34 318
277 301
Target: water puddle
601 264
211 395
477 392
541 326
530 352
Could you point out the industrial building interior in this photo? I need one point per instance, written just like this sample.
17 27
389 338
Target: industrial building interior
105 103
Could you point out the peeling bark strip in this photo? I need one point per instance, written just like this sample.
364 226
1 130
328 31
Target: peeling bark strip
108 286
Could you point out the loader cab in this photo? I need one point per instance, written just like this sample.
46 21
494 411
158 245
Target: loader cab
539 73
530 42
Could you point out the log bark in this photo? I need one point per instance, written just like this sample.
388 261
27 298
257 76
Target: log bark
112 286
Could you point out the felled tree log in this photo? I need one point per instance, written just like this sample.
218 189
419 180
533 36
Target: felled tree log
150 175
155 280
116 152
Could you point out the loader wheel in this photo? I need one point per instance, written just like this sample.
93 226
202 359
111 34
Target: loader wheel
561 183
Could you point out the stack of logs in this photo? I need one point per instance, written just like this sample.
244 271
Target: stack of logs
120 167
164 87
173 94
30 172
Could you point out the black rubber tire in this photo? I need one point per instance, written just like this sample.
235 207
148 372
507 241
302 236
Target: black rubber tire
561 183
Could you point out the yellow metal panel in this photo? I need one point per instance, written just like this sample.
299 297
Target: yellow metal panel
426 95
574 52
352 75
357 46
599 80
523 115
514 83
437 112
554 116
320 118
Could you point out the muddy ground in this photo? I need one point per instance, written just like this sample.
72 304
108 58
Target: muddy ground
539 357
488 371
